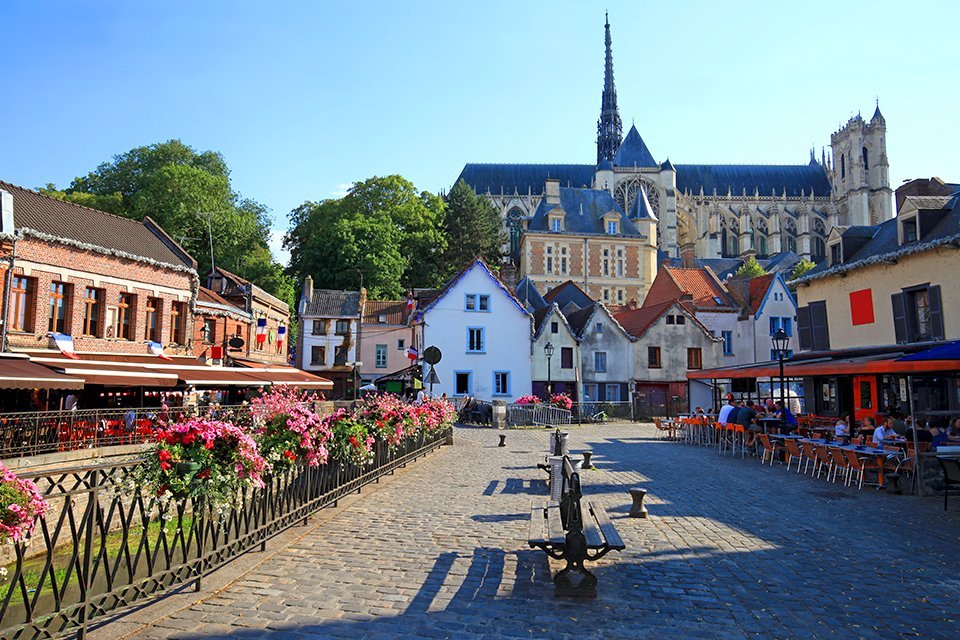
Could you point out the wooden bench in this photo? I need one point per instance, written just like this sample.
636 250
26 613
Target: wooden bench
574 530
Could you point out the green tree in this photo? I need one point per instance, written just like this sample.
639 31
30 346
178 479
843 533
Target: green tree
383 230
802 268
750 268
179 188
473 228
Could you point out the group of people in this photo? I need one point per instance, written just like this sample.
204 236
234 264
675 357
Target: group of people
897 427
748 414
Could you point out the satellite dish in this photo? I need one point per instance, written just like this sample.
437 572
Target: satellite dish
236 342
432 355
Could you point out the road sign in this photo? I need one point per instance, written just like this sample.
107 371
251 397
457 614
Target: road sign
432 355
432 377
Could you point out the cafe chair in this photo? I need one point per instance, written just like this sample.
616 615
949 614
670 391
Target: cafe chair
823 458
839 464
769 448
856 465
793 452
809 456
951 477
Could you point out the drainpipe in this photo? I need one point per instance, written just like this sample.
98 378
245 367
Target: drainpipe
7 285
586 268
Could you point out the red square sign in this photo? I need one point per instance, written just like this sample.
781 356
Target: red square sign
861 307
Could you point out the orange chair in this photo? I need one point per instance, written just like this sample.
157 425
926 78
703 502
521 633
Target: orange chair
809 455
839 463
823 458
769 448
793 451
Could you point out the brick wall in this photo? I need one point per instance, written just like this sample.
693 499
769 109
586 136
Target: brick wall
223 329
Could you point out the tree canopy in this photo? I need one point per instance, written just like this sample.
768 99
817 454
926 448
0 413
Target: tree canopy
383 231
802 268
473 228
750 268
179 188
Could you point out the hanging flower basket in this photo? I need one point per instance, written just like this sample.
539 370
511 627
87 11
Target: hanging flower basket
21 504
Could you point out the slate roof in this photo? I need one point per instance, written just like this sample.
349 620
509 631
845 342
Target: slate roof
640 209
529 295
884 244
524 178
809 179
633 152
579 319
584 209
65 220
393 310
725 267
568 292
330 303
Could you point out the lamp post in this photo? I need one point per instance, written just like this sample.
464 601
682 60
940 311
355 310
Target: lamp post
781 341
356 366
548 351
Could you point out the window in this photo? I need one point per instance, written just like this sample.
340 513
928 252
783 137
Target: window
340 354
318 355
606 295
209 331
556 224
475 340
819 249
787 324
694 358
319 327
59 299
22 292
554 327
613 393
153 319
590 392
92 310
549 259
600 361
343 327
381 357
566 357
606 262
476 302
483 303
563 260
125 310
909 230
866 167
843 166
382 319
918 314
921 303
598 328
612 227
727 342
671 320
762 247
620 263
653 358
866 388
681 320
813 327
791 244
401 344
836 253
501 383
178 314
774 325
620 296
461 385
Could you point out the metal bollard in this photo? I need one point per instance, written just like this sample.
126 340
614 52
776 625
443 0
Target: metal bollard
638 510
503 440
586 460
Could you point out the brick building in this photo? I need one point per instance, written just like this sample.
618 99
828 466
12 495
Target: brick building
271 314
217 321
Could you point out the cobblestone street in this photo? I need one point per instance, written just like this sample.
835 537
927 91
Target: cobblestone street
731 549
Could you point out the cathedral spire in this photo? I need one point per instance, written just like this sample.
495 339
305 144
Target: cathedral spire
609 127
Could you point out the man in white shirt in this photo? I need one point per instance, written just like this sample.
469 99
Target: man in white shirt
421 397
884 430
727 408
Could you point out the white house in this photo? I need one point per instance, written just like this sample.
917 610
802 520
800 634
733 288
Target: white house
766 305
560 370
329 341
483 333
606 354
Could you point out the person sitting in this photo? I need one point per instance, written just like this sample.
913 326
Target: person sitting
842 428
727 409
747 417
939 434
784 413
883 431
698 412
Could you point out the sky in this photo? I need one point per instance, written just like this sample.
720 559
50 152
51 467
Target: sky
304 98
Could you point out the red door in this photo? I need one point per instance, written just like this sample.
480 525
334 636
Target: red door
864 397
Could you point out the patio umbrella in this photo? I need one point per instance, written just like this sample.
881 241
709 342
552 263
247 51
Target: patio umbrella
368 387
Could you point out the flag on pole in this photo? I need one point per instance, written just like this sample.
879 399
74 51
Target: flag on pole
411 304
413 354
281 334
157 349
65 344
261 330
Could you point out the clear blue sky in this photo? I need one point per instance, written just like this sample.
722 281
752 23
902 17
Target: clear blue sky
305 98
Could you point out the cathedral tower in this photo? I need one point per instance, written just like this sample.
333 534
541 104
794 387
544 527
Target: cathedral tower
861 173
609 127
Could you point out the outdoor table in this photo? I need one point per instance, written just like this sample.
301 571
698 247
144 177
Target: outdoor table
671 425
769 423
871 451
786 436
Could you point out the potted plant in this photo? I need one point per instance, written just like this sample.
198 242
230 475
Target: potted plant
288 430
561 401
351 439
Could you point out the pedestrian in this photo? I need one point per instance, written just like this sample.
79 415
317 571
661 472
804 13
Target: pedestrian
72 402
422 397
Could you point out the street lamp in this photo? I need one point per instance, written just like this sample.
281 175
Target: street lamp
781 341
356 366
548 351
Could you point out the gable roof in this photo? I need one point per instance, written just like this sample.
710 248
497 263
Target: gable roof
452 282
633 152
638 321
699 283
55 220
794 180
528 293
579 321
758 288
540 317
584 209
524 178
565 293
331 303
757 308
393 310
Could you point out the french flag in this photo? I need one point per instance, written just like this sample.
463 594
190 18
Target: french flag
261 330
157 349
413 354
65 344
281 334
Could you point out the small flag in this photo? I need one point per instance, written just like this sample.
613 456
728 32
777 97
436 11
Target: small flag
261 330
411 304
157 349
281 334
65 344
413 354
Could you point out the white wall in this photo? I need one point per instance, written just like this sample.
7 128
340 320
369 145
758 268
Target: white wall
507 330
330 340
618 347
774 308
674 340
563 338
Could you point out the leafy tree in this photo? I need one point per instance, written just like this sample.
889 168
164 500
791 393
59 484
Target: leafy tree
383 230
801 269
473 228
179 188
750 268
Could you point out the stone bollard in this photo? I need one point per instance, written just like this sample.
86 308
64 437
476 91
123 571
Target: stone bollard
638 510
586 459
499 414
503 440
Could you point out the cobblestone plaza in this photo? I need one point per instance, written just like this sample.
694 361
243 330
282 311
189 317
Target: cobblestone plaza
731 549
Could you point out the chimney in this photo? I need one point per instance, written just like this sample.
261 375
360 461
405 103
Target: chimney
6 213
688 258
632 304
307 296
552 192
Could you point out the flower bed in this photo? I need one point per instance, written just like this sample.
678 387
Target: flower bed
531 399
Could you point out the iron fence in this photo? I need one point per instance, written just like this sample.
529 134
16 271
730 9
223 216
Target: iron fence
105 544
541 415
602 411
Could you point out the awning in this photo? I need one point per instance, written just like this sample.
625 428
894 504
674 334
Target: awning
115 375
20 373
948 351
217 376
828 367
289 376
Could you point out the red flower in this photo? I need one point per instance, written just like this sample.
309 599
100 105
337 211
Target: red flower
162 490
208 444
164 455
204 474
165 466
290 455
189 438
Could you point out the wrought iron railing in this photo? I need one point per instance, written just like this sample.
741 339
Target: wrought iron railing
105 544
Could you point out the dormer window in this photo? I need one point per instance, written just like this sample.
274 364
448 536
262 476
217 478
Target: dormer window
836 254
612 227
556 225
910 232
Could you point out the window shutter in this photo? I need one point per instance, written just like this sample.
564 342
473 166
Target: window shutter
936 313
819 326
900 318
804 329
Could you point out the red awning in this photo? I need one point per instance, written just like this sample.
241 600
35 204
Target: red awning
20 373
